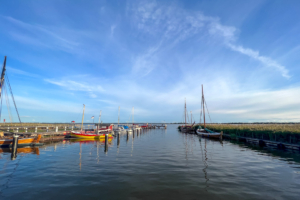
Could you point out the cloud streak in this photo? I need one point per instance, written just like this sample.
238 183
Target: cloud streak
176 25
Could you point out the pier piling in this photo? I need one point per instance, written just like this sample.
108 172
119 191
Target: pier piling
106 143
118 139
14 147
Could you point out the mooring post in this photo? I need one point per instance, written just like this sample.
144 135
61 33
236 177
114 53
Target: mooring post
127 136
106 143
56 130
36 129
14 147
118 139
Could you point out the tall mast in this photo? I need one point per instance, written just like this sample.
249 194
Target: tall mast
132 115
203 107
2 75
82 117
191 118
119 116
100 116
185 111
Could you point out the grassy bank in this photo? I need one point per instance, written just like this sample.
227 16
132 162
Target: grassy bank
276 132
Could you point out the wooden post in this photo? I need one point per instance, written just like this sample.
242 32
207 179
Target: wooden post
106 143
15 147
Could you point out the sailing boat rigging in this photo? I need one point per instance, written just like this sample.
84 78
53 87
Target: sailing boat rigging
206 132
8 142
186 128
90 133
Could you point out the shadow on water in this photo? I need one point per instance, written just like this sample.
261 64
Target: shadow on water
288 155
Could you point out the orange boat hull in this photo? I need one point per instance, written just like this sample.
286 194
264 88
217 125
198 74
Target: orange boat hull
34 150
21 141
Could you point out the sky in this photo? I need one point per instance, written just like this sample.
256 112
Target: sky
152 55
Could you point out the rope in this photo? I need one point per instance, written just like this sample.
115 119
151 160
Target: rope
201 112
1 104
207 111
7 102
12 96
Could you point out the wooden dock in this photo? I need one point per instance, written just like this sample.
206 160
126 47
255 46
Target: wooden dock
263 142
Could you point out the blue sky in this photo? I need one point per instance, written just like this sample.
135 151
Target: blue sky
151 55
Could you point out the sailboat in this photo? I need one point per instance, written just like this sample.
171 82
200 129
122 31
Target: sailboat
88 133
8 141
119 128
186 128
204 131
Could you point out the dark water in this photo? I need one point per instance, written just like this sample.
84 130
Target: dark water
158 164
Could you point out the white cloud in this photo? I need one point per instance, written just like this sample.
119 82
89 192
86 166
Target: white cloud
265 60
174 25
21 72
68 84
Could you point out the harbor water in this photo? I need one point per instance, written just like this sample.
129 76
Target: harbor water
155 164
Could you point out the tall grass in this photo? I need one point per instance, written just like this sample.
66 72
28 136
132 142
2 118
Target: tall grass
276 132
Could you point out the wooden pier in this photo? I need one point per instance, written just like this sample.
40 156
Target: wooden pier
263 142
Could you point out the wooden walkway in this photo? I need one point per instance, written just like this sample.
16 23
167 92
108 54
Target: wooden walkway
262 142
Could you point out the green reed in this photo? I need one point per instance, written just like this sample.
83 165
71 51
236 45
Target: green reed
275 132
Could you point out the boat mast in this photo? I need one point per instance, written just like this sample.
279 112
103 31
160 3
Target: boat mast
132 115
2 75
100 116
82 117
191 118
185 111
119 116
203 107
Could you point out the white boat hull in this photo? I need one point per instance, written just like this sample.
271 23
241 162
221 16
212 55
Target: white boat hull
203 133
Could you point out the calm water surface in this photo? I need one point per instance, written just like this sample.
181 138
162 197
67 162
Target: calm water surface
157 164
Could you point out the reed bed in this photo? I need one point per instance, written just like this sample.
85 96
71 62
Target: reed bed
276 132
289 133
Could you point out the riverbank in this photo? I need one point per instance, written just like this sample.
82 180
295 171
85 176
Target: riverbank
289 133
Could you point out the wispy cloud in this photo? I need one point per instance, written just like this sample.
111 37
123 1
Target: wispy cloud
90 88
264 60
21 72
175 25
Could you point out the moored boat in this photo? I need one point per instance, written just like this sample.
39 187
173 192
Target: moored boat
31 141
88 133
84 135
206 132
